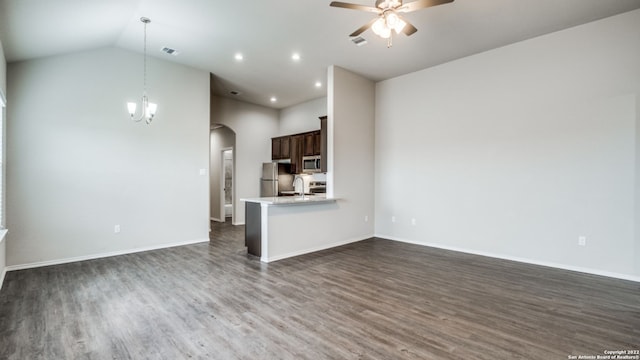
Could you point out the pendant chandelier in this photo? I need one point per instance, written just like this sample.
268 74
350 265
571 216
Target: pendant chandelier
148 110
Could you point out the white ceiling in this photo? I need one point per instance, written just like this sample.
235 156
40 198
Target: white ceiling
209 33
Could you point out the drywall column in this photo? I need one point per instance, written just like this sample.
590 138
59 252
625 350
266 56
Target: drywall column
349 178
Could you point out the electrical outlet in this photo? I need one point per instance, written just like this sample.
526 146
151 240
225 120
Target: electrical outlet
582 240
393 219
116 229
413 221
366 218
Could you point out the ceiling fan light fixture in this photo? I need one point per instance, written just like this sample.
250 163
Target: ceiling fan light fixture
388 19
380 28
399 25
392 19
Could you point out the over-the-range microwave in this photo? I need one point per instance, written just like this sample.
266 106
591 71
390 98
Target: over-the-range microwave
311 164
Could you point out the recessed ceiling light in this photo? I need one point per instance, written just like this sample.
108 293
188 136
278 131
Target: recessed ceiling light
318 84
273 99
295 56
239 57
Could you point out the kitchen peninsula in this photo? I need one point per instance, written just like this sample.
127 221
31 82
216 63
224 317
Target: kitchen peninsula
271 223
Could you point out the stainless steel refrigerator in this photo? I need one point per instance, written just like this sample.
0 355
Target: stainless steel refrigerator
275 179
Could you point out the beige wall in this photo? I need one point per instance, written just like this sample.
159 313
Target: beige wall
78 166
518 151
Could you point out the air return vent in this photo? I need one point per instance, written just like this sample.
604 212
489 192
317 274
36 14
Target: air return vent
170 51
359 40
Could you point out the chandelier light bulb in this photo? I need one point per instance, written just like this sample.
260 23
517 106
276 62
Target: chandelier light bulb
131 106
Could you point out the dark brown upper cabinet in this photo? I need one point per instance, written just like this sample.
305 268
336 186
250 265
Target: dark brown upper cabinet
295 146
280 148
309 144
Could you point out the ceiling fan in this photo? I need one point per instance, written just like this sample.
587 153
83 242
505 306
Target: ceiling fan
388 19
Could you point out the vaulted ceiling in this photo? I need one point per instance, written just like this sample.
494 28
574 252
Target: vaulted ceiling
208 34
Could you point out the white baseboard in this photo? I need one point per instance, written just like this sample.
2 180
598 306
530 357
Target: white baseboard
518 259
216 219
238 223
102 255
313 249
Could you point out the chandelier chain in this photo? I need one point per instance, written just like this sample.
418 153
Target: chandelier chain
148 110
145 60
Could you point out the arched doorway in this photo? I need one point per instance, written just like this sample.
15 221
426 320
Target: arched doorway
221 182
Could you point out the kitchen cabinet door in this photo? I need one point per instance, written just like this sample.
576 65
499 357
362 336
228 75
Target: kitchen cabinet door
276 144
296 147
285 147
280 148
317 143
309 147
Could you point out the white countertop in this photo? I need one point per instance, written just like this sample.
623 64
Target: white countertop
292 200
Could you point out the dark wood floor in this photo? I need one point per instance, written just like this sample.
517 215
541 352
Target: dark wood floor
375 299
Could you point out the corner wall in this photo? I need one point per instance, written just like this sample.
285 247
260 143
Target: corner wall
519 151
77 165
254 126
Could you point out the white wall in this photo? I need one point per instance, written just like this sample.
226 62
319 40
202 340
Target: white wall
254 126
518 151
221 138
77 165
3 89
302 117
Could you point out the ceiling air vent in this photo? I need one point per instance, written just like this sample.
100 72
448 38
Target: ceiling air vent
170 51
234 93
359 40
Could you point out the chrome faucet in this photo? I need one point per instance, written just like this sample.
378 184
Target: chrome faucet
298 177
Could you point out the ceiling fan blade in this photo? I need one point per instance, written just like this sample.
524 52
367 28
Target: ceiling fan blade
354 6
363 28
421 4
409 29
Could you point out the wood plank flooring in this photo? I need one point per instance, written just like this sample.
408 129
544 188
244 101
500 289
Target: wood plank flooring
375 299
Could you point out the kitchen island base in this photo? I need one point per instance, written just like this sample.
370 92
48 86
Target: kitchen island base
252 229
276 227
